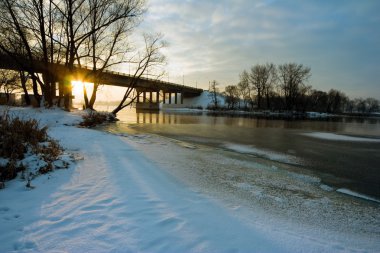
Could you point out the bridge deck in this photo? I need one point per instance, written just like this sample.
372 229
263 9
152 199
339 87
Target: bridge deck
108 77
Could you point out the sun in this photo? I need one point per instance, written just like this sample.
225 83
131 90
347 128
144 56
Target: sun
77 88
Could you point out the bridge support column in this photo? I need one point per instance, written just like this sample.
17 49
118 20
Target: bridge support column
164 95
170 98
175 98
65 93
147 103
182 98
158 96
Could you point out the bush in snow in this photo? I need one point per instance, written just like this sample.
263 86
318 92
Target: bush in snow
93 118
24 145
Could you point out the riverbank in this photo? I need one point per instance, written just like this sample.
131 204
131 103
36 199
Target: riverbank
146 193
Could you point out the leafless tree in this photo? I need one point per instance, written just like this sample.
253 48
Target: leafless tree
270 83
262 78
231 93
68 32
9 82
292 78
244 88
318 100
372 105
16 40
335 101
109 45
360 104
213 94
24 86
151 58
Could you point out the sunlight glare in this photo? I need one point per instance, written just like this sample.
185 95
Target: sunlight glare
77 89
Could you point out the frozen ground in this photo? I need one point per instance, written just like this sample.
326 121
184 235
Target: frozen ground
144 193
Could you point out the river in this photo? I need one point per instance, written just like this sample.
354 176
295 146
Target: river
347 163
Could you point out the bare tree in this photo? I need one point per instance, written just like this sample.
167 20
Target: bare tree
270 83
262 79
303 100
318 100
231 92
360 104
150 58
67 31
25 86
213 94
244 89
292 78
109 45
335 101
350 106
9 82
372 105
16 39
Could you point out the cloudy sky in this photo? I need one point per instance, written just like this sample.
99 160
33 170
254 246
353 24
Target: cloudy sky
218 39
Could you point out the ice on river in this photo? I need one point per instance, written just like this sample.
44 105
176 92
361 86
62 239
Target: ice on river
339 137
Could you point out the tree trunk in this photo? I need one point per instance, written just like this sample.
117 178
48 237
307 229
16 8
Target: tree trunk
85 97
23 84
37 96
93 96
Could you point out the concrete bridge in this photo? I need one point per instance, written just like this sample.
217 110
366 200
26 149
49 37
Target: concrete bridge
149 89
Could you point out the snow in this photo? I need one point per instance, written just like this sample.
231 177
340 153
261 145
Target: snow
123 195
269 154
204 100
338 137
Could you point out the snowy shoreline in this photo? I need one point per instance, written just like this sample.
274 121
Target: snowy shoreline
142 193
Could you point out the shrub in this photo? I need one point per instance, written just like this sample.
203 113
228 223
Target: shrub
21 138
93 118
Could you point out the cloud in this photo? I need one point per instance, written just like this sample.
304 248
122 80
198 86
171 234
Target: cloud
215 39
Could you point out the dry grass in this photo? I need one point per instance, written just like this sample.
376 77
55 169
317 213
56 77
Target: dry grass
19 138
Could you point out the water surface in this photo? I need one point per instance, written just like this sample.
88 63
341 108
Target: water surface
342 164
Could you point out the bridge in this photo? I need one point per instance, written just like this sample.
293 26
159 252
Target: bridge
143 86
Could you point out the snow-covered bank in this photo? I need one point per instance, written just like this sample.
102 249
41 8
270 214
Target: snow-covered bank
143 193
115 200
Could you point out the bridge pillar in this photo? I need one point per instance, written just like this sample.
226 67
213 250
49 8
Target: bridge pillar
158 96
182 97
175 98
65 93
164 95
147 102
170 98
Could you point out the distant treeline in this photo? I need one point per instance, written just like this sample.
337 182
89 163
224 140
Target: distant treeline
284 88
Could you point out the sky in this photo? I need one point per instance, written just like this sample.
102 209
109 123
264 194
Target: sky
217 39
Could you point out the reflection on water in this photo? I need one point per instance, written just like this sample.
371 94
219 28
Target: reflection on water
341 125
